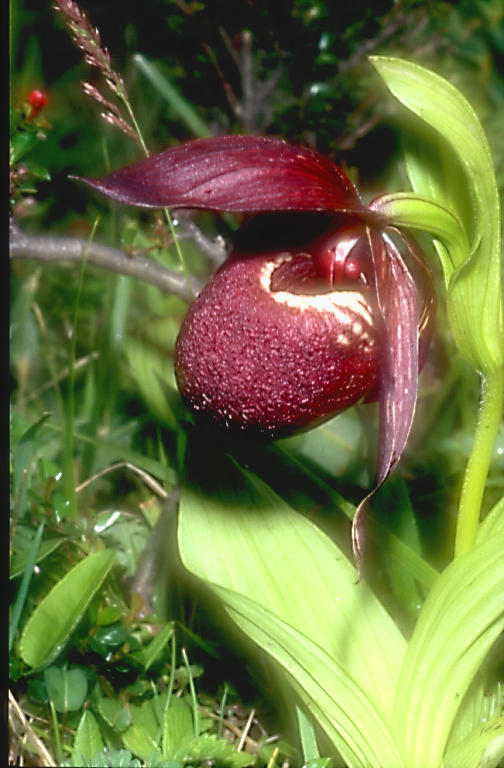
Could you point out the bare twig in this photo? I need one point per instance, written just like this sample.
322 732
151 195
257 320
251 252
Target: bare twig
254 110
148 479
43 248
246 730
214 250
149 566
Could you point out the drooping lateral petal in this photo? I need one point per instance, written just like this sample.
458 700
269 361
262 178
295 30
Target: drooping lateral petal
398 301
233 173
426 292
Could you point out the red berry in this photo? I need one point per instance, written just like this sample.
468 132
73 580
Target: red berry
37 101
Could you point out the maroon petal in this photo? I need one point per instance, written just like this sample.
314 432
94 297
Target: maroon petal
426 291
233 173
398 301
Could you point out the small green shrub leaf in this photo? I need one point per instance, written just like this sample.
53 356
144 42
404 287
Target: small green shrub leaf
148 655
53 621
178 730
210 748
88 739
115 713
142 736
20 559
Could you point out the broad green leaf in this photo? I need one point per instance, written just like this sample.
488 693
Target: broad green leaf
356 728
461 619
67 688
53 621
88 739
249 542
450 161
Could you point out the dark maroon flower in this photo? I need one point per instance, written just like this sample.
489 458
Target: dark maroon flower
320 304
272 345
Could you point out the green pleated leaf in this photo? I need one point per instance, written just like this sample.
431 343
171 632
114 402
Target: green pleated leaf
462 617
357 729
88 739
479 726
53 621
493 522
247 542
449 160
483 747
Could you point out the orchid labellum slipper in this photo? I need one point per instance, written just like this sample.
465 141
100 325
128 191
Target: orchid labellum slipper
320 304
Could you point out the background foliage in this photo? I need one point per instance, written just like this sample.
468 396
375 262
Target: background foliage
100 365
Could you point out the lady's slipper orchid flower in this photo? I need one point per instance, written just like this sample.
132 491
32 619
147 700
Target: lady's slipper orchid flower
320 304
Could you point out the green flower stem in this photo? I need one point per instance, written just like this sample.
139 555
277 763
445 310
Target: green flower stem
473 485
169 221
